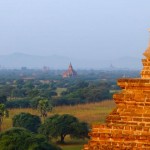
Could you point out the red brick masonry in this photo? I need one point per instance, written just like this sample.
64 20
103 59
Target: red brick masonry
128 126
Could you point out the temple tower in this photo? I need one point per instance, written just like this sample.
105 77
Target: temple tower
128 126
70 72
145 73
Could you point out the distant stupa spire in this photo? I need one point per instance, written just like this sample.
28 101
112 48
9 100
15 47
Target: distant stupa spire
147 52
70 66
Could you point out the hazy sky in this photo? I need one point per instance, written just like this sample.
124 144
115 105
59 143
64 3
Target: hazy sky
75 28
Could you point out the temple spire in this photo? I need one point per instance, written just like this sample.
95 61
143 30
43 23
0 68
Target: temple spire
149 38
70 72
70 65
147 52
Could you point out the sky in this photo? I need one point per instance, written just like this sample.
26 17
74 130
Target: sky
84 29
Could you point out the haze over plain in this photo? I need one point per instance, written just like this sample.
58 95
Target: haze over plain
79 29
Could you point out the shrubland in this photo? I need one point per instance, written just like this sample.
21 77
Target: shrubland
55 108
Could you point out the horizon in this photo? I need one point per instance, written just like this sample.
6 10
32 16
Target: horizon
82 29
19 60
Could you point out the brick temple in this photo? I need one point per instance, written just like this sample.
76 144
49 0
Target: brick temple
70 72
128 126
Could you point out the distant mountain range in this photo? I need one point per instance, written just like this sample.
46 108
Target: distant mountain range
18 60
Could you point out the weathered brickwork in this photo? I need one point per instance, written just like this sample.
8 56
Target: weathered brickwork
128 126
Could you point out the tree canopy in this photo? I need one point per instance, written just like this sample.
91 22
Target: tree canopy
44 106
22 139
62 125
3 99
27 120
3 113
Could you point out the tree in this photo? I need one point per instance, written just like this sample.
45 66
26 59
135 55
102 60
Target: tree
96 93
44 106
33 93
3 113
18 103
27 120
35 102
3 99
22 139
62 125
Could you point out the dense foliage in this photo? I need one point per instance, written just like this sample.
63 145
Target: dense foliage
44 106
63 125
3 113
27 120
22 139
24 88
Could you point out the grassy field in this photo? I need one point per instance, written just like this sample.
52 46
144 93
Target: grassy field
73 144
92 113
72 147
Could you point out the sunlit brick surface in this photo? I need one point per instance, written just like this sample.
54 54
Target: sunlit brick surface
128 126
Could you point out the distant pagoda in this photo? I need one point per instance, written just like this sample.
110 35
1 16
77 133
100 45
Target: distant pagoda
128 126
70 72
